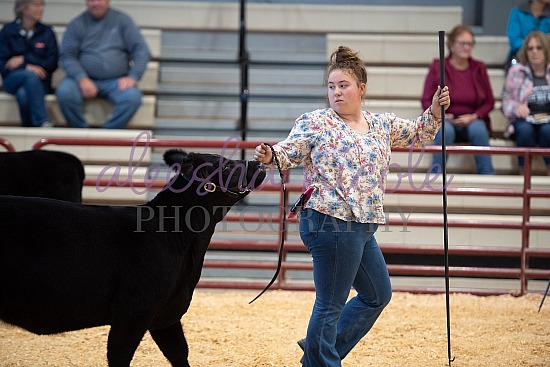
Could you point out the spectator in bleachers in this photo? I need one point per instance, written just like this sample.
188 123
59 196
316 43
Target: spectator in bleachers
532 15
28 57
346 154
526 96
104 56
467 120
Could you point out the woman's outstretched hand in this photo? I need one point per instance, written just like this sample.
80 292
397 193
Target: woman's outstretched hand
263 154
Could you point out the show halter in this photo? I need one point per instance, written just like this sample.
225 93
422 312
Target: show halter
283 230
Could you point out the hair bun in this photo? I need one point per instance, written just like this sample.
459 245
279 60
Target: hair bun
343 58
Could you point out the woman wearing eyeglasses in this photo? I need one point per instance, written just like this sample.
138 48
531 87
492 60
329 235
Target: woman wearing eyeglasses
28 57
467 119
527 16
526 96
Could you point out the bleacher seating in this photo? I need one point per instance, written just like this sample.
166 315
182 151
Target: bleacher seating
191 93
196 94
187 95
265 17
96 112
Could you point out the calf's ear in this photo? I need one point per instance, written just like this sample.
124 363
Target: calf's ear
177 159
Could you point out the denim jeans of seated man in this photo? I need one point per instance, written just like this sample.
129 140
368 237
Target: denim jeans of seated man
476 133
345 254
29 91
70 99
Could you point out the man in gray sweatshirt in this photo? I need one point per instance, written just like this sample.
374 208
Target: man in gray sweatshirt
104 56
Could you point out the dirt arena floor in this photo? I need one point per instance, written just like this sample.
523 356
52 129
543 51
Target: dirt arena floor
223 330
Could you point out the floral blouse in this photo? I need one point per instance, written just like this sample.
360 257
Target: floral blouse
347 168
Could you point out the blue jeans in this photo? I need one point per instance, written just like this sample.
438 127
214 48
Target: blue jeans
70 99
529 135
476 133
345 254
29 91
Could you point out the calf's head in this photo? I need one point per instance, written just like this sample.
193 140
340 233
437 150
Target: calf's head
206 174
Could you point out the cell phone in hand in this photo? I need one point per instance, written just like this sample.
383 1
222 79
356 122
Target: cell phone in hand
299 204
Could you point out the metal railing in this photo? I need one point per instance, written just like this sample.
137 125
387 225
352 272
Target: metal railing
7 144
524 273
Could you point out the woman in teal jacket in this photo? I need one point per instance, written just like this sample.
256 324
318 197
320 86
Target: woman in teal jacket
532 15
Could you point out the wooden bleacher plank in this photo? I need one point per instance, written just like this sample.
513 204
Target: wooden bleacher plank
433 236
384 81
408 82
147 84
95 112
263 80
221 45
268 115
114 195
403 179
390 49
464 163
23 138
151 36
412 108
283 17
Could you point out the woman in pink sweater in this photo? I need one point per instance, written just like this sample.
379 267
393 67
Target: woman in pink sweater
526 96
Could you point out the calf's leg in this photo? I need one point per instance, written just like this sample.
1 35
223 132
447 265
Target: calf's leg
122 343
172 343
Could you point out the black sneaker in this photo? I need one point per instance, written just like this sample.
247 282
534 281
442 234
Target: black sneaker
302 345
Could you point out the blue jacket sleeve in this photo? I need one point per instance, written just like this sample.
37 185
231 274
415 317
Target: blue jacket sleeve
514 32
